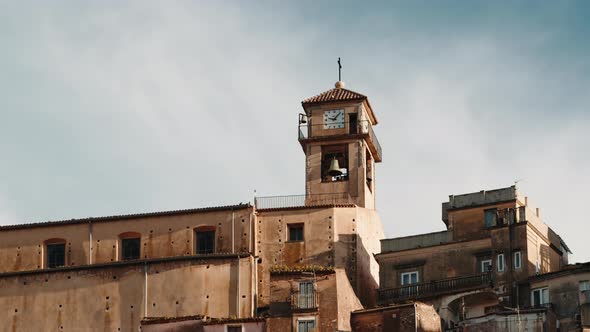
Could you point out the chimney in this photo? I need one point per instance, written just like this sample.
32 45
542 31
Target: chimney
526 201
538 215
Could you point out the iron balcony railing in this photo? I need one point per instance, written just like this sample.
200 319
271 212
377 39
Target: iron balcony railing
435 287
304 301
346 128
277 202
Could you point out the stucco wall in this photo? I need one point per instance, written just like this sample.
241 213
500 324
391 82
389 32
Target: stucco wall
327 317
161 236
432 263
246 327
345 238
109 298
564 295
397 318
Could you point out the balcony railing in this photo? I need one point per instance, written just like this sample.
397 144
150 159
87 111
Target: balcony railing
304 301
289 201
363 128
436 287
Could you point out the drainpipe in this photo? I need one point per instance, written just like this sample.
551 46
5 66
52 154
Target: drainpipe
233 249
250 231
238 290
145 291
415 317
256 294
90 242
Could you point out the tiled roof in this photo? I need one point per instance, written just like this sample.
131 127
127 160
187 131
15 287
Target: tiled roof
566 270
336 94
217 321
126 216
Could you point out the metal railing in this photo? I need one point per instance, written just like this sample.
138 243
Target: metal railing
277 202
363 127
304 301
435 287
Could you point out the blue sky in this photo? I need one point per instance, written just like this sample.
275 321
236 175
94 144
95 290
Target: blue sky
111 108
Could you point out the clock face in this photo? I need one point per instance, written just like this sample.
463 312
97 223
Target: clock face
334 119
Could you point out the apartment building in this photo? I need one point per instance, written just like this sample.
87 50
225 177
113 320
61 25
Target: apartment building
494 240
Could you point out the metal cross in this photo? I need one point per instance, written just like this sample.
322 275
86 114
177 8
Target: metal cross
339 70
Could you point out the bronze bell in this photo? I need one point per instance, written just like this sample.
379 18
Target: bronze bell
334 168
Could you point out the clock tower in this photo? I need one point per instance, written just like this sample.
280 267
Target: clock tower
341 149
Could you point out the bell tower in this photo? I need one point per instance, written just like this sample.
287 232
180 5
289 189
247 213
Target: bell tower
341 149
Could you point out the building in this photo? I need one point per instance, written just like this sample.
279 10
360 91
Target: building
227 264
411 317
302 263
565 292
493 241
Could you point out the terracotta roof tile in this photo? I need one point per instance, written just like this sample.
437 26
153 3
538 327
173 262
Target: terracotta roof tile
336 94
126 216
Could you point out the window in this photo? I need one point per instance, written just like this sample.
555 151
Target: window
306 295
517 260
369 169
130 248
334 163
295 232
539 296
56 255
409 278
500 262
490 217
205 241
306 325
486 265
234 328
584 285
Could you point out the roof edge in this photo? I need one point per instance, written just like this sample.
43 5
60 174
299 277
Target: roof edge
240 206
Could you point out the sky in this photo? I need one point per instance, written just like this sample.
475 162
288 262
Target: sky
124 107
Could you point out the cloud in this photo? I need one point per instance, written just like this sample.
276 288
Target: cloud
6 215
118 109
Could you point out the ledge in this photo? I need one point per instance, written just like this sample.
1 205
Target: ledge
126 263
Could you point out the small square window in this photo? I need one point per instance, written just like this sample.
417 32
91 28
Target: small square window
490 217
539 296
130 248
205 242
234 328
295 232
307 325
410 278
486 265
56 255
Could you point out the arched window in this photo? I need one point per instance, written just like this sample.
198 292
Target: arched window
55 253
130 246
205 240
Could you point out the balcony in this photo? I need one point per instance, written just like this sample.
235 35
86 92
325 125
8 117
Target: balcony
295 201
434 288
361 129
305 302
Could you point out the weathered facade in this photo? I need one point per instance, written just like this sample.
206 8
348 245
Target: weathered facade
412 317
566 293
494 240
110 273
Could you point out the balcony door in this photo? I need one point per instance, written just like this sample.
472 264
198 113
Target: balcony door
306 295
